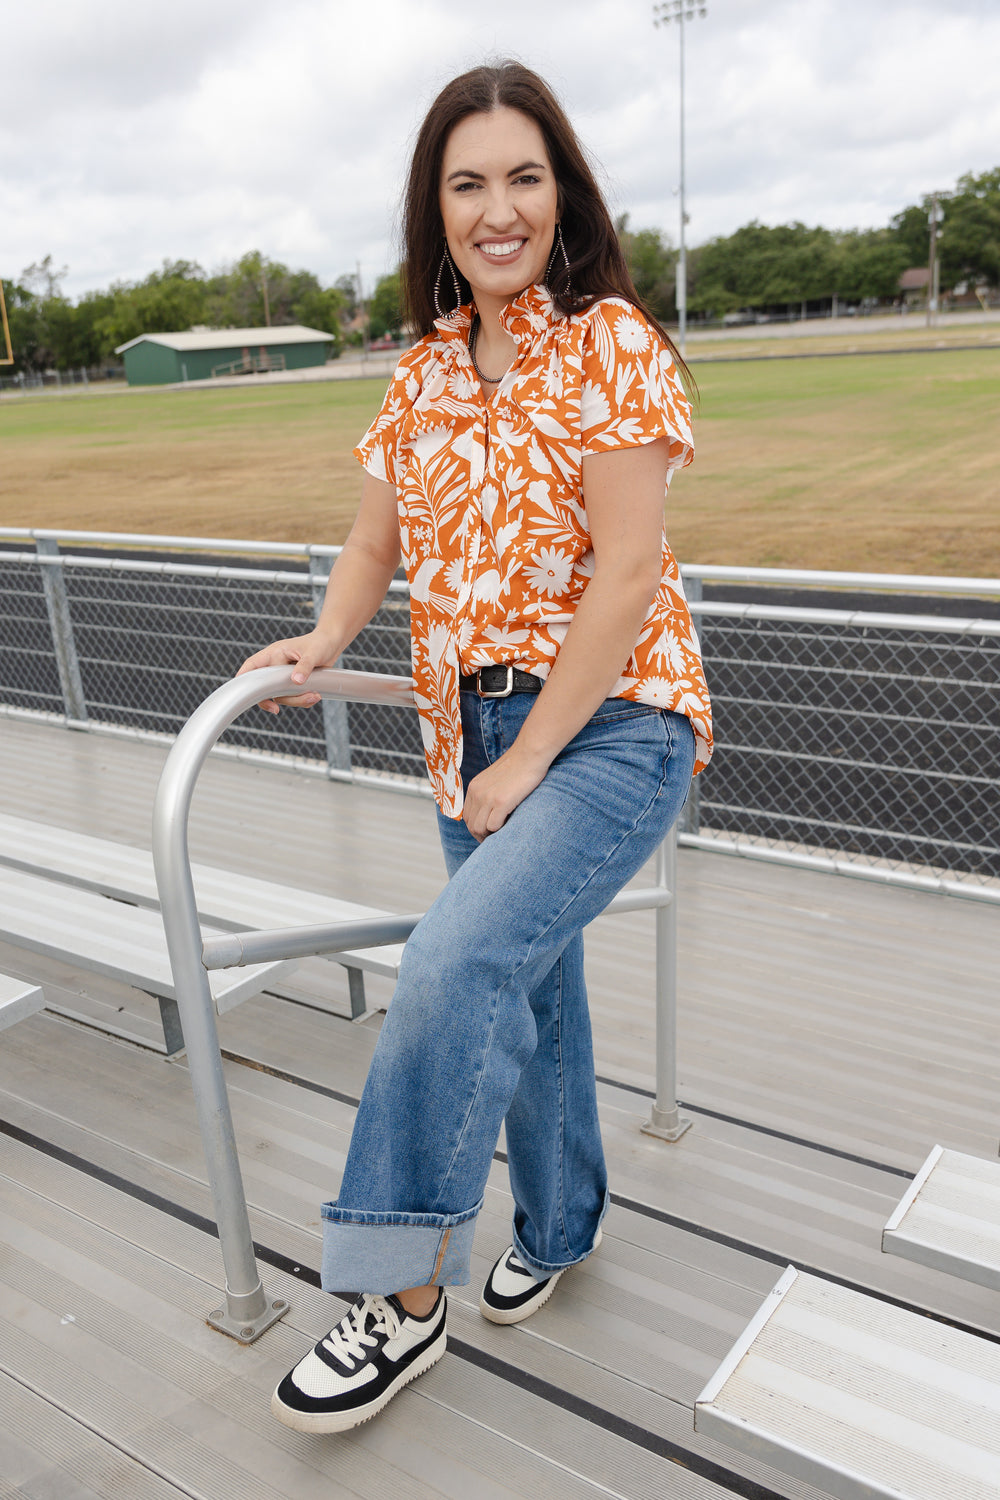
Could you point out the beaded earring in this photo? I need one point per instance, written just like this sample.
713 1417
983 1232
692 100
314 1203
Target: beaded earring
446 260
559 246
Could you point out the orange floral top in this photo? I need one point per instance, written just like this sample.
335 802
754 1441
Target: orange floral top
492 517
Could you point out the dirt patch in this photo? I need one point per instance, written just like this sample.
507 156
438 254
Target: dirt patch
880 463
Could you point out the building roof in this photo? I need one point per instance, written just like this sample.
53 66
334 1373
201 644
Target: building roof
231 338
913 279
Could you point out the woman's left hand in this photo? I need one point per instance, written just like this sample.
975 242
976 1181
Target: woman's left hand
493 795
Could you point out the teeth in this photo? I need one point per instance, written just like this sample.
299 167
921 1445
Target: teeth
507 248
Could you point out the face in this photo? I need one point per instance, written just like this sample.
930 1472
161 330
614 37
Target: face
499 203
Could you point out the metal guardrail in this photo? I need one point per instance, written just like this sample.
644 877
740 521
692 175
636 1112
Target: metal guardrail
858 741
248 1310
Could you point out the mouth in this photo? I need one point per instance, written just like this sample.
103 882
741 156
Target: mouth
501 250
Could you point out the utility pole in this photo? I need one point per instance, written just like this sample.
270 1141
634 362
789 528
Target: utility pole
934 268
263 287
680 11
364 316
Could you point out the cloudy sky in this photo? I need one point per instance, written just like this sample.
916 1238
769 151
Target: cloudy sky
137 130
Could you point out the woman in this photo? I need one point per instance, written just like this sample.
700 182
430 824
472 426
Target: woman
518 465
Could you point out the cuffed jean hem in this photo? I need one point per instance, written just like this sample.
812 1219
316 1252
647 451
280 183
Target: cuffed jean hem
542 1270
366 1251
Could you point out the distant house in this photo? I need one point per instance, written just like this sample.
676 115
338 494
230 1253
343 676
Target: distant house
163 358
913 284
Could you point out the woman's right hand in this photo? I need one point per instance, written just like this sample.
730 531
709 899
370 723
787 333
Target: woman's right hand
306 653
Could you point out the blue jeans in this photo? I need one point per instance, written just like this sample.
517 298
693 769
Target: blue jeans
489 1024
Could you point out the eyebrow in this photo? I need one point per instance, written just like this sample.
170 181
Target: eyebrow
514 172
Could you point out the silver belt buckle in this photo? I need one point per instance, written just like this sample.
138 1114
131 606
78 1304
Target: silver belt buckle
503 692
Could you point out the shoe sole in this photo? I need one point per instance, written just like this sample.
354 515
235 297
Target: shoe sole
518 1314
343 1421
508 1315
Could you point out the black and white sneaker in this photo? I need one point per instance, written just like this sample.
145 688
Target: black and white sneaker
376 1349
512 1293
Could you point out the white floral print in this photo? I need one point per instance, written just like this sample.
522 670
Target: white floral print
551 572
631 335
493 519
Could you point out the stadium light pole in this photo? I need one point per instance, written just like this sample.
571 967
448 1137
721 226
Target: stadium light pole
934 263
678 12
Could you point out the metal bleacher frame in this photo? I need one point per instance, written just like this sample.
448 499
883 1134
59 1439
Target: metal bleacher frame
248 1311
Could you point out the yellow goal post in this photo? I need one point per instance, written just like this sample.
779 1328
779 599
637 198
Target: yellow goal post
6 330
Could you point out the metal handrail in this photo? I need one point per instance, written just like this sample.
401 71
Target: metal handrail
911 583
707 572
248 1311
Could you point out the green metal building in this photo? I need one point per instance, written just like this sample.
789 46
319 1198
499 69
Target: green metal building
166 358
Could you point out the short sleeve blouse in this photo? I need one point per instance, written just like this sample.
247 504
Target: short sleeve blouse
493 522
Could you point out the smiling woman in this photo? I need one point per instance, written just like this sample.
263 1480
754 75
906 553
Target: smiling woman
499 207
518 466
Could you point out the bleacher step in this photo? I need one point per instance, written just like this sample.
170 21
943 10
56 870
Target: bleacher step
225 899
950 1218
863 1399
123 942
18 1000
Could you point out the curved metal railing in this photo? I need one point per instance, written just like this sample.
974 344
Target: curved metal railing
248 1310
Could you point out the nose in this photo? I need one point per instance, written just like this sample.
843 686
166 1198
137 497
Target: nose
501 212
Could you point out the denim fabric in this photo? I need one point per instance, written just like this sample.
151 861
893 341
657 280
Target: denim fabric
489 1022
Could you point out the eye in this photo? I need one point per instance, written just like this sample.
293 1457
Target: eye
529 178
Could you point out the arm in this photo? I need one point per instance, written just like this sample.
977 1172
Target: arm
623 491
357 586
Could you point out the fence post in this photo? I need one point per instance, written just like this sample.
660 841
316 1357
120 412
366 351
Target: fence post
336 725
666 1121
61 625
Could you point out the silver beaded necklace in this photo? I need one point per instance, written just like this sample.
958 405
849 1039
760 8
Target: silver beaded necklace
473 340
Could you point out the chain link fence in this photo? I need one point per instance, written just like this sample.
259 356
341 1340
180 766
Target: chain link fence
866 739
129 644
869 740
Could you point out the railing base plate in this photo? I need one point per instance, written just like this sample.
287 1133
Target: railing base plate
243 1330
666 1125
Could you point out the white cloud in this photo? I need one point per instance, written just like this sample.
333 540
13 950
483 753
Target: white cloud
202 128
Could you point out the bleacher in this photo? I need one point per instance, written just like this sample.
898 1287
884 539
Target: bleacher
829 1032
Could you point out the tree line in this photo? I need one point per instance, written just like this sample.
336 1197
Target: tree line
757 267
49 331
761 267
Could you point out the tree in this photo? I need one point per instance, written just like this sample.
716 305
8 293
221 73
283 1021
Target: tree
760 266
167 301
969 237
910 231
652 262
869 265
347 286
385 308
42 279
321 309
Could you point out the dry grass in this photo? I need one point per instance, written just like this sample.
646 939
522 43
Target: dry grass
272 463
886 462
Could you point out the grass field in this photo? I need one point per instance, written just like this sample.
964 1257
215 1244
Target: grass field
886 462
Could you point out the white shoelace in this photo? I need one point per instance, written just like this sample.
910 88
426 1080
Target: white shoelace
350 1339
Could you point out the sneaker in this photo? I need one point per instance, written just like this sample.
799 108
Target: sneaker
375 1349
512 1292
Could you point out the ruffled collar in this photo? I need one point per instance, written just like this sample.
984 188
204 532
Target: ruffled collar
524 318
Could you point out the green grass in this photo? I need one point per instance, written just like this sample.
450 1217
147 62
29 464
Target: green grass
876 461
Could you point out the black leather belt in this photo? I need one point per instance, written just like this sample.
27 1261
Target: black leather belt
499 682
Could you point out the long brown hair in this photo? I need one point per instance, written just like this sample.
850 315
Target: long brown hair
597 266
